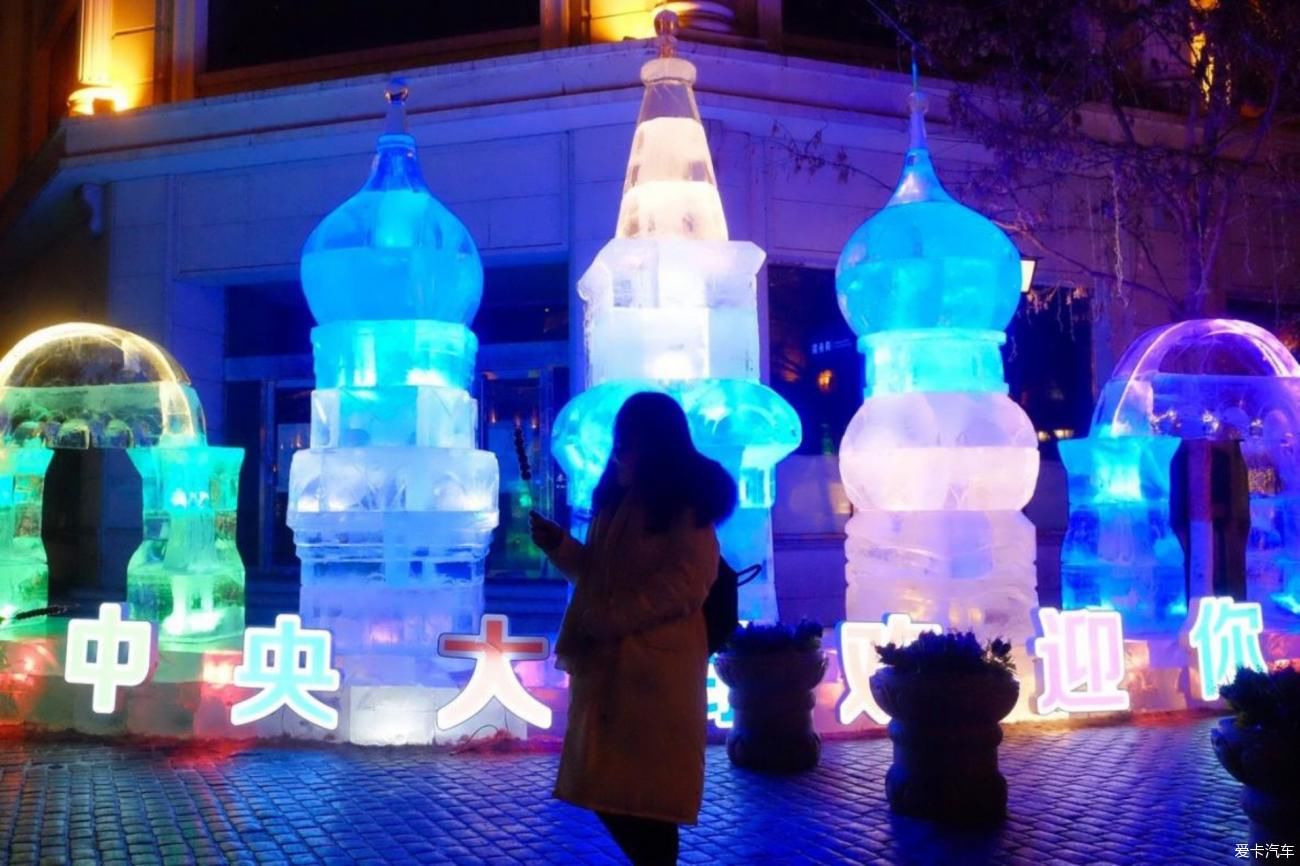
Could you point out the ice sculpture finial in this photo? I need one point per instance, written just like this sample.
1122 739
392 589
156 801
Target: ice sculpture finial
670 190
667 26
396 93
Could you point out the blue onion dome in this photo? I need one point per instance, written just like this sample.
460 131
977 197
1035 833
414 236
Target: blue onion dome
392 251
926 261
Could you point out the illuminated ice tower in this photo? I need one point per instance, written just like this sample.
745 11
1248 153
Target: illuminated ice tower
671 306
938 461
392 507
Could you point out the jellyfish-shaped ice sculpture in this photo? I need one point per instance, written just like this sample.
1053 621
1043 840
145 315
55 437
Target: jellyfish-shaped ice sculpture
938 462
79 386
392 507
1210 379
671 306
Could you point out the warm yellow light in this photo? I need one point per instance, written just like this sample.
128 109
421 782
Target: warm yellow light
1027 268
824 380
82 101
1063 433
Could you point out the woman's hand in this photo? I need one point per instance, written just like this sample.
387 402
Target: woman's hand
547 534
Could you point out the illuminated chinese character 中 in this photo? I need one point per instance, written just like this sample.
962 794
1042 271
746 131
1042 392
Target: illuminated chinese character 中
719 698
1082 655
1225 635
123 655
288 663
493 650
858 658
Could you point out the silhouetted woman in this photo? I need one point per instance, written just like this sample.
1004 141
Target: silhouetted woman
633 638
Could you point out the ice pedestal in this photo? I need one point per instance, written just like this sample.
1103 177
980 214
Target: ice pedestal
1120 552
186 574
393 506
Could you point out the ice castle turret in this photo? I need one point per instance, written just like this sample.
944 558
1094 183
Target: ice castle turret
938 461
671 306
392 506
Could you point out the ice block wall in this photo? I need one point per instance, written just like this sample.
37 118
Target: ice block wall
671 306
1207 379
393 506
938 462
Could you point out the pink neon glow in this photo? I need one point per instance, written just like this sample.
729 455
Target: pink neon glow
1082 660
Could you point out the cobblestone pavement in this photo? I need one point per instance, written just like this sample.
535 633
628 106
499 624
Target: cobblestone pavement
1150 794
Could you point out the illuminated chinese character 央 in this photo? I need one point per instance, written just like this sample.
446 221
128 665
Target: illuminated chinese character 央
718 695
1225 634
108 653
1082 657
287 663
493 649
858 658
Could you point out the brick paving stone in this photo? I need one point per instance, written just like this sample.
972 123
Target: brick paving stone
1150 793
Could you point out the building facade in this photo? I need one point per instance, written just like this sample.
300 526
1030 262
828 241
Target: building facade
177 208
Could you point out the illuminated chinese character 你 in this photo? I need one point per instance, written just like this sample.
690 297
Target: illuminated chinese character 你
1082 655
288 663
858 658
493 649
718 695
123 655
1225 635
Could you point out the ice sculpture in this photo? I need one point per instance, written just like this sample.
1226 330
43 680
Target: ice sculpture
671 306
938 461
89 386
393 507
1210 379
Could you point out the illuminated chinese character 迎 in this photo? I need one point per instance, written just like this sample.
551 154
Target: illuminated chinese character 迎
288 663
858 658
1082 655
123 656
1225 634
493 650
719 698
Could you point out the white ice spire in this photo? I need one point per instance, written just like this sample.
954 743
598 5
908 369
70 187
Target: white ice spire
670 190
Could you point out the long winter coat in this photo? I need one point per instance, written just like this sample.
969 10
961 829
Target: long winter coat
635 645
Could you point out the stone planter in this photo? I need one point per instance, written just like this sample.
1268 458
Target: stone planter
1267 763
772 696
946 731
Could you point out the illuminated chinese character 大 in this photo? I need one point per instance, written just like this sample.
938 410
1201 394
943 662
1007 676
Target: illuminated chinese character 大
1082 658
493 650
858 658
123 655
1225 634
719 697
287 663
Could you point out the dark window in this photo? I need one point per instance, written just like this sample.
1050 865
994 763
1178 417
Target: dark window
1048 360
252 32
815 363
267 319
524 304
837 20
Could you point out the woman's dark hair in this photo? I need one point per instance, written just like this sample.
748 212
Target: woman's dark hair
671 476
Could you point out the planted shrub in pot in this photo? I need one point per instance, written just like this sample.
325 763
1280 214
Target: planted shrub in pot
1260 747
772 671
946 695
